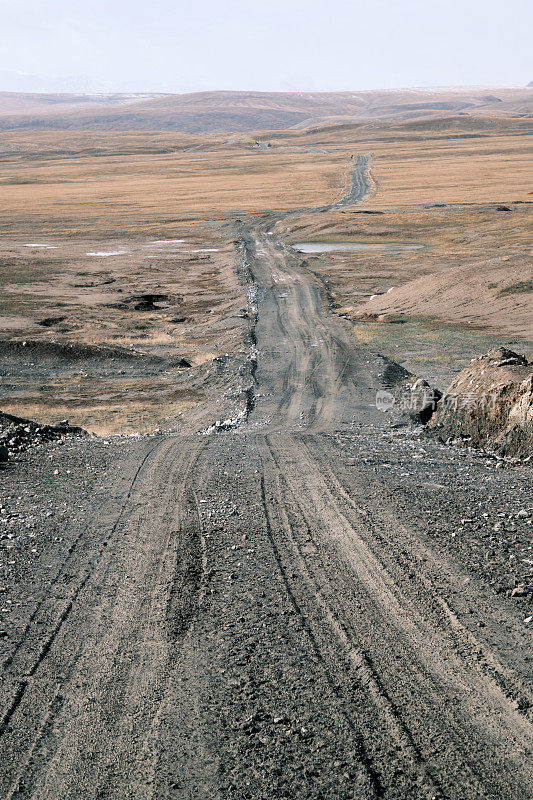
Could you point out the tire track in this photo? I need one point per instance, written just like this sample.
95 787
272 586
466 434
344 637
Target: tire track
46 646
432 667
71 553
361 664
57 738
479 657
378 790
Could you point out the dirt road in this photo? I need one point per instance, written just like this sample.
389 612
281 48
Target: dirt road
308 372
250 614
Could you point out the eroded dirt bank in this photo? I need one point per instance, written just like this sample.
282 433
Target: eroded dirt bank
306 604
490 404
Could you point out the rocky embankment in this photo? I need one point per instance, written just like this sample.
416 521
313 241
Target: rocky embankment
18 434
490 405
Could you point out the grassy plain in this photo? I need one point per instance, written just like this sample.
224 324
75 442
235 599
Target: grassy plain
68 200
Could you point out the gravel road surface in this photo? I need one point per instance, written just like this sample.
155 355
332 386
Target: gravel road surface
308 604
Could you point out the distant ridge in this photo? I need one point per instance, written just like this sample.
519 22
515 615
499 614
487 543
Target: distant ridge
225 112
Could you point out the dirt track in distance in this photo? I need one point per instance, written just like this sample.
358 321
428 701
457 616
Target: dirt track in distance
252 614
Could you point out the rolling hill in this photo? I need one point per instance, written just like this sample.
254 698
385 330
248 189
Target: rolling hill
222 112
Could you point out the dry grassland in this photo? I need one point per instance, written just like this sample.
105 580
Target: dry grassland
122 187
82 193
467 201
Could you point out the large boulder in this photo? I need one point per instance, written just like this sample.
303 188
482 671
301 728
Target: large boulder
490 404
421 401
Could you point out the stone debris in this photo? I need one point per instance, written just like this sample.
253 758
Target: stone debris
18 434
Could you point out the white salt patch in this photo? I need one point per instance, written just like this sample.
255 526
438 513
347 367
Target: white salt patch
109 253
204 250
168 241
390 290
47 246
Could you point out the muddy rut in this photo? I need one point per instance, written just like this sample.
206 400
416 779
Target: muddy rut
238 618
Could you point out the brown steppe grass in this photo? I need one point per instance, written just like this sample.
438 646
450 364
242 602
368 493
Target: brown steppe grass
440 185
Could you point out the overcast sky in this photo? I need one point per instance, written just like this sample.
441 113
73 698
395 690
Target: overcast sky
171 45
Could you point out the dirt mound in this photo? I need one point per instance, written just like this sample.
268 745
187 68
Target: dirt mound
58 352
490 405
393 373
18 434
147 302
483 293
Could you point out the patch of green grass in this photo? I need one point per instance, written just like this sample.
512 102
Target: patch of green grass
19 181
517 288
18 269
426 347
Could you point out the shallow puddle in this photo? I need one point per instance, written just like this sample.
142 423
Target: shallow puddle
103 254
323 247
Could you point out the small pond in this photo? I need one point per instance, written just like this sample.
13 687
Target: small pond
329 247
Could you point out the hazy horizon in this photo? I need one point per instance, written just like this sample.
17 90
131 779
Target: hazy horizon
166 47
82 84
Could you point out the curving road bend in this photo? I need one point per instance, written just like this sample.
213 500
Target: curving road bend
249 615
